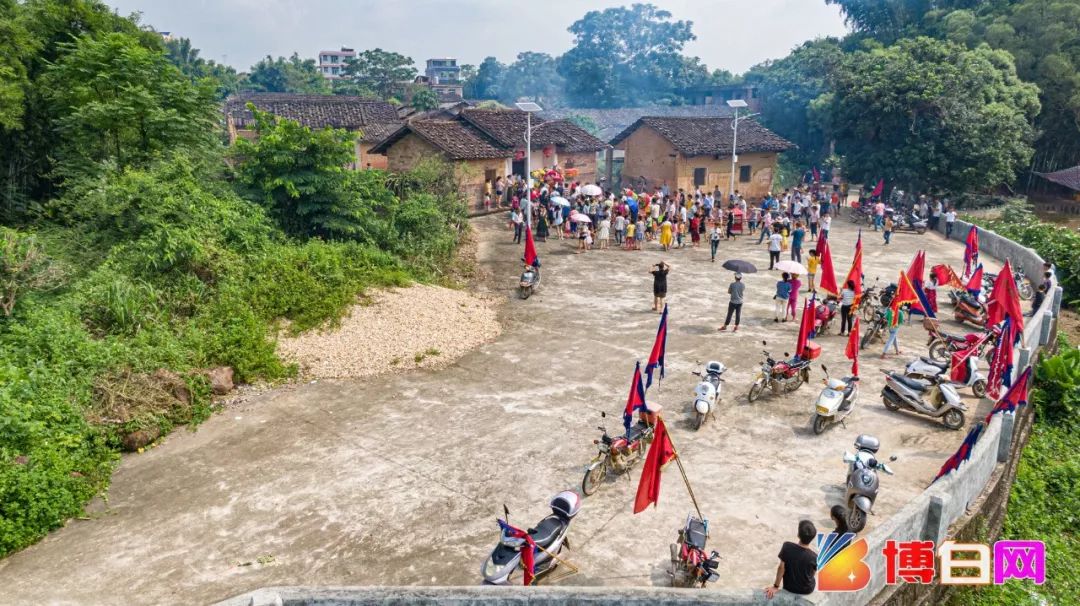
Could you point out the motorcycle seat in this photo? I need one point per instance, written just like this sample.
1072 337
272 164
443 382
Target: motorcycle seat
547 530
912 384
952 336
933 362
636 431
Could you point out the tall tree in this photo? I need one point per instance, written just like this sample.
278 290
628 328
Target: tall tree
186 57
485 83
534 76
123 104
292 75
624 56
380 71
925 113
425 99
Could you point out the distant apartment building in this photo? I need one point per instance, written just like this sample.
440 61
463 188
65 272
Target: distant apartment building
332 63
719 95
444 76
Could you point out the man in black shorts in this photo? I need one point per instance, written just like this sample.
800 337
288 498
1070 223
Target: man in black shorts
798 564
659 284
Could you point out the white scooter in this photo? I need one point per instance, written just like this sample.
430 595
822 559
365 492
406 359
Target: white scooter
835 402
928 368
707 392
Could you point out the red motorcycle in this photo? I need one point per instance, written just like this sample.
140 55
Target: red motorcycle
824 314
616 454
944 344
780 375
969 309
690 565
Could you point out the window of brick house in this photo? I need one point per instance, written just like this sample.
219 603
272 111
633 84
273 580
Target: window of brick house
699 177
744 174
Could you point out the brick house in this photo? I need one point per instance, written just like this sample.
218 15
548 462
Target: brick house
487 144
686 153
371 119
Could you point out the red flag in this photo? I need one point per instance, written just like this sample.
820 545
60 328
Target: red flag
971 250
974 285
1016 396
879 188
656 358
958 371
530 249
527 552
636 400
917 269
821 241
660 453
852 350
1001 363
806 325
817 175
905 295
946 276
828 276
1005 300
962 454
855 273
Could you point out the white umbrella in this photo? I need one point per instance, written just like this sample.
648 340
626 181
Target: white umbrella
592 190
791 267
560 201
580 218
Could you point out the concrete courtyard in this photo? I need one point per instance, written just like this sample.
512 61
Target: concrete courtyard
397 480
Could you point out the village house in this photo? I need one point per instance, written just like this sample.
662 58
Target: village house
487 144
372 120
687 153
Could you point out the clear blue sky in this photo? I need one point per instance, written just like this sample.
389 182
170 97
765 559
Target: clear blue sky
732 34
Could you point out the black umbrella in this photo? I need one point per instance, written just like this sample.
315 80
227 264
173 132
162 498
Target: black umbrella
744 267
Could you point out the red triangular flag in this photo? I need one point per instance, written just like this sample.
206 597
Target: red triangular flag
905 295
917 269
1001 363
530 249
855 273
806 325
828 276
660 453
852 349
1016 396
974 285
879 188
971 250
1005 300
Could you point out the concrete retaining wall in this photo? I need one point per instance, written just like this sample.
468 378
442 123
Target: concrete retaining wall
969 503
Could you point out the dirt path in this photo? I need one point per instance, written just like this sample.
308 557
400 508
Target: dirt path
397 479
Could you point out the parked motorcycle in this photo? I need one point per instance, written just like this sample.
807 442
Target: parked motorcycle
549 533
874 300
862 480
1023 284
909 221
824 314
932 370
616 454
969 309
780 376
944 344
935 399
530 281
874 330
690 567
707 392
835 402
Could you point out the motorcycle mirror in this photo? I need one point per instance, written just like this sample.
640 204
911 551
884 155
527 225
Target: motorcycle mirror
892 458
824 369
506 513
764 343
603 414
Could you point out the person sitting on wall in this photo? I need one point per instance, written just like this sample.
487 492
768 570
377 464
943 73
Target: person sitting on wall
798 564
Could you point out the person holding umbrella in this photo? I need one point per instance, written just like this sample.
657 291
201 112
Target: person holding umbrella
735 302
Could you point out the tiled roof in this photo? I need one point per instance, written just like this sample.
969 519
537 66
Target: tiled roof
610 122
706 136
376 119
508 128
567 136
1069 177
457 139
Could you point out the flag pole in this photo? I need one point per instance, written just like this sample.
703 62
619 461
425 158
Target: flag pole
682 470
557 559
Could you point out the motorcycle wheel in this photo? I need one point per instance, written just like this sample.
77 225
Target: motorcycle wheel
889 402
755 390
939 351
920 230
524 292
699 420
868 337
804 374
592 479
954 419
1025 291
867 313
820 424
979 388
856 519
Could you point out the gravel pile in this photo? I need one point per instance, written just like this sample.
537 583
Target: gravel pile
402 329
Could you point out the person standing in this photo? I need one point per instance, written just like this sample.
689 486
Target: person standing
798 564
887 229
793 295
813 261
734 306
605 233
620 229
776 244
519 225
930 288
847 301
659 287
797 237
780 299
879 215
893 320
714 241
826 223
950 221
815 216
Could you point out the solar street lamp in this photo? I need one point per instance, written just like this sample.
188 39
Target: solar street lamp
528 107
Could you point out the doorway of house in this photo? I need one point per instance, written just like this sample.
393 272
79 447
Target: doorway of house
518 168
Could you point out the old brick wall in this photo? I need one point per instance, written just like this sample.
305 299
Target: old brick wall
718 173
584 162
648 155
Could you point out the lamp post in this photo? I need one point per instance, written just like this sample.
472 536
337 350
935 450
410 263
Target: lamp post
735 104
528 107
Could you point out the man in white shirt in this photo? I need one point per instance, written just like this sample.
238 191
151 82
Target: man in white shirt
775 245
950 220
